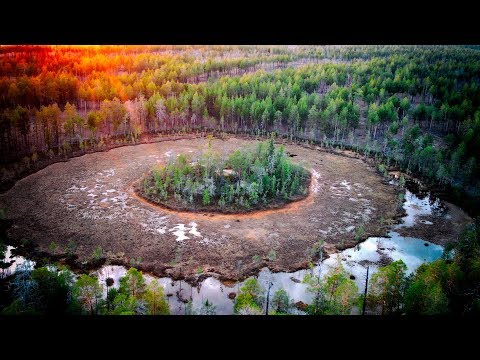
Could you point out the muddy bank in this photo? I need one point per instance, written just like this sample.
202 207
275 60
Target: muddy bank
88 202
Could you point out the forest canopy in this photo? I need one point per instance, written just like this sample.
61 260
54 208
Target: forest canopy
416 106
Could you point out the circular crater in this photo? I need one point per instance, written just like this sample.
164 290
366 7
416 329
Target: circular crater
89 202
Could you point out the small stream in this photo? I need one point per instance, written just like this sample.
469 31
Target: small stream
373 252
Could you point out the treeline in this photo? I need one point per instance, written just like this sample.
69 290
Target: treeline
248 178
418 106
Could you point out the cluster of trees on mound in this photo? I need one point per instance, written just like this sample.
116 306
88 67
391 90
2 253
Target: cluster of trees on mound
417 106
248 178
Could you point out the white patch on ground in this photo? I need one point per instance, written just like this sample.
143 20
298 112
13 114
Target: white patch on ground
325 232
180 231
168 153
315 181
75 188
362 186
120 199
337 191
227 226
346 184
152 223
194 230
109 172
206 241
217 241
345 189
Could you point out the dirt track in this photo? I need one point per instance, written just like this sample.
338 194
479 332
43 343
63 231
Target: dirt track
90 200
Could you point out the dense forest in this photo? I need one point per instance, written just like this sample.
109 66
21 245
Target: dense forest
417 106
247 179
